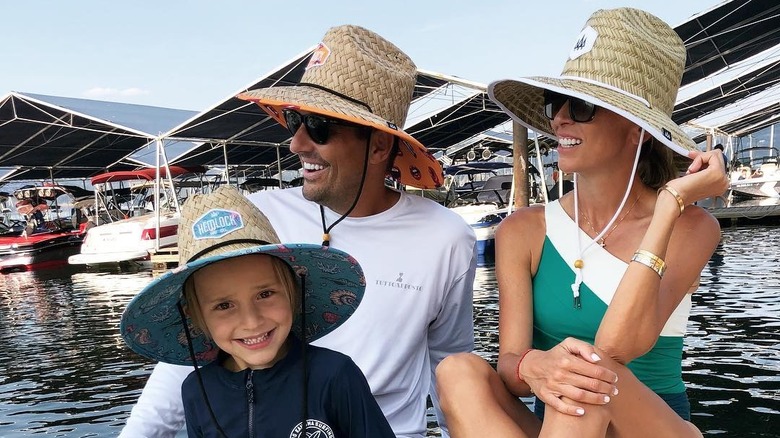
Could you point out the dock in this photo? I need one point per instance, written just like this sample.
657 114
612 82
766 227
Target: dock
747 214
164 259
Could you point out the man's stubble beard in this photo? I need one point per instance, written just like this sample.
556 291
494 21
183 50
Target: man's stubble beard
331 197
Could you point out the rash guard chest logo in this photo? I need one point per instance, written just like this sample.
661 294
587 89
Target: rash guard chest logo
314 429
216 223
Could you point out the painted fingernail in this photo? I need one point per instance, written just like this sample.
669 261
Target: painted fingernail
615 392
580 411
606 399
595 357
616 377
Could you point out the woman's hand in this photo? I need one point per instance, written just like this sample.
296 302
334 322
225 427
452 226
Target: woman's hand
568 370
705 177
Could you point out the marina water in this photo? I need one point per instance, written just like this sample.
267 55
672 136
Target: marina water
65 371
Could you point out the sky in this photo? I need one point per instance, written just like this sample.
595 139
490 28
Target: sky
192 55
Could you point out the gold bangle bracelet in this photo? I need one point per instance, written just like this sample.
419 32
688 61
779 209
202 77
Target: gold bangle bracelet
650 260
677 197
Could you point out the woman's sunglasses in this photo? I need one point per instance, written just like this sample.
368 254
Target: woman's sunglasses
579 110
318 127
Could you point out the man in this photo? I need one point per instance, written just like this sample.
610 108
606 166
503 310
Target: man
719 147
418 257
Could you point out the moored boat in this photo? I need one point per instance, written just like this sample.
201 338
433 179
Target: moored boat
758 176
482 200
142 226
44 231
762 183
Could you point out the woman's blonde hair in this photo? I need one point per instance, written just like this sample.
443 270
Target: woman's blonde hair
283 272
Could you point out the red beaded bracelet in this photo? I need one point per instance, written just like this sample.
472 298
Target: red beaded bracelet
522 356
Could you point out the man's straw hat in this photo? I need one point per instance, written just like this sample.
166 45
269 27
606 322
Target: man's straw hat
625 60
358 76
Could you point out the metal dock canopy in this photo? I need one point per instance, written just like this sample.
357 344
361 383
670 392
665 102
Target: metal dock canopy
45 137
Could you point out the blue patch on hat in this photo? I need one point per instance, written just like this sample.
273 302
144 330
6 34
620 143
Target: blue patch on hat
667 134
216 223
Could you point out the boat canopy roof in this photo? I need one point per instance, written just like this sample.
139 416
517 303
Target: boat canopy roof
148 174
482 167
49 193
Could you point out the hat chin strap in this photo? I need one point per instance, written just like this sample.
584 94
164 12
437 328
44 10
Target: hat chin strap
197 369
326 230
578 263
304 344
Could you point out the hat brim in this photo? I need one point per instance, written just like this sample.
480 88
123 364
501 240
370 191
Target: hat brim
416 166
523 100
151 324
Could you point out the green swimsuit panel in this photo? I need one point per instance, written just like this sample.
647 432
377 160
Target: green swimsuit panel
556 318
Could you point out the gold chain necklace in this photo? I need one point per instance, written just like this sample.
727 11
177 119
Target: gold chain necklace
602 241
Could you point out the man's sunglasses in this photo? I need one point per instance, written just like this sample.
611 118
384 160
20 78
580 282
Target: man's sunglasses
579 110
318 127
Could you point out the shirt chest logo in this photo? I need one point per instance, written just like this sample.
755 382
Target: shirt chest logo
314 429
398 282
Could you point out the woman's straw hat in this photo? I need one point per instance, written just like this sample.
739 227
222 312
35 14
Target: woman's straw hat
625 60
224 224
358 76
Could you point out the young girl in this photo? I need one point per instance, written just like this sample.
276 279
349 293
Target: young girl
233 306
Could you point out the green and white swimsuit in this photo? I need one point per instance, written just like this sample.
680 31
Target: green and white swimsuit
556 318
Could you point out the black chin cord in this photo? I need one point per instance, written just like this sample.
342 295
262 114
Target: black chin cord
303 357
197 370
326 230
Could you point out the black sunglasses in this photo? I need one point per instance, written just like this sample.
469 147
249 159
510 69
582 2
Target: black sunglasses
318 127
579 110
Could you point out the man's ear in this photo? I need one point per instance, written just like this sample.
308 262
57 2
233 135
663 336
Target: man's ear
381 146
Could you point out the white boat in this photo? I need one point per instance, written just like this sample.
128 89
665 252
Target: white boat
758 177
144 228
482 200
483 219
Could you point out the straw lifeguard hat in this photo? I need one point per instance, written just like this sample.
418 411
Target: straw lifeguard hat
358 76
625 60
224 224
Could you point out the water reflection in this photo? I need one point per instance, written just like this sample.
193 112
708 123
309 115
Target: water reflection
733 347
65 371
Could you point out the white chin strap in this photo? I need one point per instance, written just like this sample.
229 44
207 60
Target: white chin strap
579 264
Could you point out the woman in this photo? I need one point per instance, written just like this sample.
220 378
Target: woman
612 263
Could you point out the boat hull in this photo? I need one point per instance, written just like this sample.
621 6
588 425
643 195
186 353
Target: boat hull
757 187
484 220
21 254
128 240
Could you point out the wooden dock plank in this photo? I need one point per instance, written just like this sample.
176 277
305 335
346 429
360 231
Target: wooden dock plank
164 258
